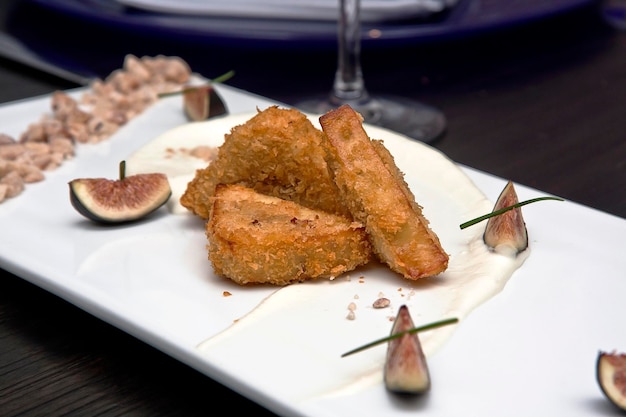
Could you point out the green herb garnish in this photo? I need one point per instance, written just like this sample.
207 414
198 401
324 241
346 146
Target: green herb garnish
400 334
216 80
505 209
122 169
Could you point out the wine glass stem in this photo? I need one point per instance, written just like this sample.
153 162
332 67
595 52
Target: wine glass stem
349 84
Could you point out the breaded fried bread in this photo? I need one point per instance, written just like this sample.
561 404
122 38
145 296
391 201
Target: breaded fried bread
277 152
259 239
374 190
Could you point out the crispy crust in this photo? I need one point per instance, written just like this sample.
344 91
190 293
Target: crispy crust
374 190
259 239
277 152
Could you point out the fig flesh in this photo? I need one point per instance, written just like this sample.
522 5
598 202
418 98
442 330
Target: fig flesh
116 201
202 103
611 376
506 233
406 370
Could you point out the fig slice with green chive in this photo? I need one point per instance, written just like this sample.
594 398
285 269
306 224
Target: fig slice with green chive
406 370
611 376
203 102
507 232
117 201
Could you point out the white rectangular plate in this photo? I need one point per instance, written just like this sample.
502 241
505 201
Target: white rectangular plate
532 348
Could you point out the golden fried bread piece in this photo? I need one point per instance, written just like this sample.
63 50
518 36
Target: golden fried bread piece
374 190
277 152
259 239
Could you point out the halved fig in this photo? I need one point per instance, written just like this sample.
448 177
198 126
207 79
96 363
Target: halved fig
406 370
202 102
116 201
506 233
611 375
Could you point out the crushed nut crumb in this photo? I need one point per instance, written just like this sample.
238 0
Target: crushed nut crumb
381 303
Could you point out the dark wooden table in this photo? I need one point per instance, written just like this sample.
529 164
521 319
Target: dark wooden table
542 104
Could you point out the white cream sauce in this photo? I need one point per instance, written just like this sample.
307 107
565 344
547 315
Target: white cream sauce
169 153
292 342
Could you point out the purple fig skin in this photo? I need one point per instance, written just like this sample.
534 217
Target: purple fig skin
506 233
202 103
406 370
611 376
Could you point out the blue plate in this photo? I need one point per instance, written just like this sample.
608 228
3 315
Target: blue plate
469 17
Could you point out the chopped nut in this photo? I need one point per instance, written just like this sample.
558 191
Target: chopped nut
34 133
136 67
52 127
6 139
381 303
4 189
37 148
14 184
30 173
65 107
11 151
44 162
79 133
62 145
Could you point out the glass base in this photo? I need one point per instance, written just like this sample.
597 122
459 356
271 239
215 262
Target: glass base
408 117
